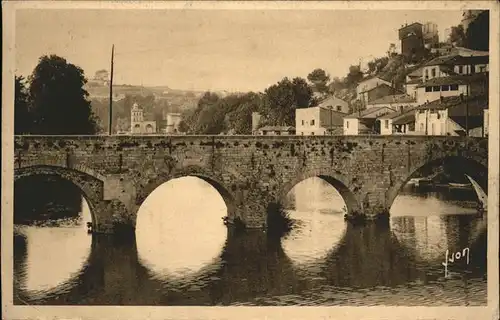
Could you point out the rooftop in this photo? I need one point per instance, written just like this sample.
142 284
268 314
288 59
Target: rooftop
373 76
397 98
368 113
405 118
454 79
397 114
382 86
458 60
457 105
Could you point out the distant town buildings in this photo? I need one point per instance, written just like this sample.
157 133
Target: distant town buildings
172 122
364 122
138 125
453 116
319 120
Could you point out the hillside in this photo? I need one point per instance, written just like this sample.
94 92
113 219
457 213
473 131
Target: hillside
155 100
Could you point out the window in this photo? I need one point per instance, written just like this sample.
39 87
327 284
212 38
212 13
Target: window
428 89
278 133
436 88
302 122
339 108
426 74
386 124
433 72
347 124
482 68
312 133
460 69
445 88
312 122
454 87
302 133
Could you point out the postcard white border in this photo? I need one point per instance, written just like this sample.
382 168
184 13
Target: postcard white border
10 311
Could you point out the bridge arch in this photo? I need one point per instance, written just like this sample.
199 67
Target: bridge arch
338 181
473 167
191 171
91 187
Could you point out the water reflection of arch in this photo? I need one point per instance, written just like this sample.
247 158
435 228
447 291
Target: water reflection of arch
476 170
92 188
337 180
428 237
77 266
369 256
190 171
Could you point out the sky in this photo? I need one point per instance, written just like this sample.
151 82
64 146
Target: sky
246 50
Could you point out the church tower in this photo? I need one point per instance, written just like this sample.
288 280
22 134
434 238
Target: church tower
136 118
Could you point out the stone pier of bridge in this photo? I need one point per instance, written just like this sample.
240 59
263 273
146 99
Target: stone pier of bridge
117 173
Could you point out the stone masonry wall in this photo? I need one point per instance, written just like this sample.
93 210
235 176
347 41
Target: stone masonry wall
250 171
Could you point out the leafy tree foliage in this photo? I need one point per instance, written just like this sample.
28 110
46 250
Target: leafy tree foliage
58 100
286 96
457 36
22 117
320 79
478 32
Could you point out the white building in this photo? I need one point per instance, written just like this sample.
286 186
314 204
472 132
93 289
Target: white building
337 104
452 115
436 88
369 83
364 122
137 123
451 65
398 122
318 120
173 121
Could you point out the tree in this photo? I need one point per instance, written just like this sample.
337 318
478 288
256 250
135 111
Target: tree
457 36
319 78
478 32
354 76
22 117
284 97
59 102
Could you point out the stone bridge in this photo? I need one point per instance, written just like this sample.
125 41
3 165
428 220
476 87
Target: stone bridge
117 173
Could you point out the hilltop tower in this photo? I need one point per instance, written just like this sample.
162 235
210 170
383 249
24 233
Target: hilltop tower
136 118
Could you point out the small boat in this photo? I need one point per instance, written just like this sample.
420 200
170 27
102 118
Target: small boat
481 195
453 185
420 182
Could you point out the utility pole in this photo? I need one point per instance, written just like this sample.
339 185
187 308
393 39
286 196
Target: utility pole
111 93
467 112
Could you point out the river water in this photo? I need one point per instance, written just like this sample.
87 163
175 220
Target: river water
184 255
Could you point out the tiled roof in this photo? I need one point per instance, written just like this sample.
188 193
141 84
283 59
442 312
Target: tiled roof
457 105
382 85
396 114
414 81
367 113
456 79
404 118
397 98
458 60
381 77
327 101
